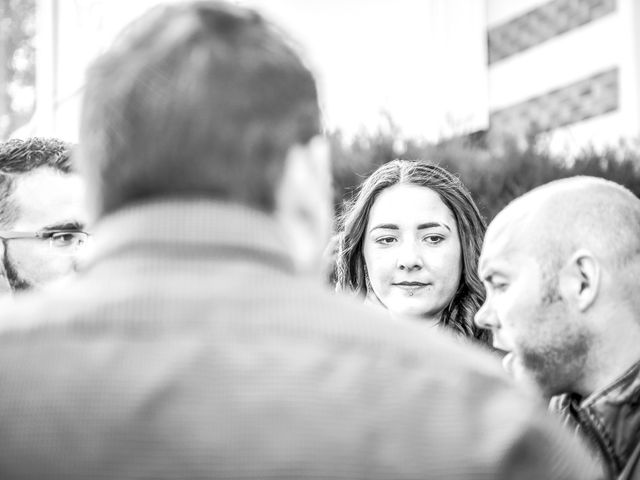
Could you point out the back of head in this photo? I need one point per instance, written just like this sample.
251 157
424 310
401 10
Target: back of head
19 157
195 99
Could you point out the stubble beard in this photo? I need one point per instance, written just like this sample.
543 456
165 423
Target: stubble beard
556 362
16 282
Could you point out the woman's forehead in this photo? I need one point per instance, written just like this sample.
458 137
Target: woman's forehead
410 204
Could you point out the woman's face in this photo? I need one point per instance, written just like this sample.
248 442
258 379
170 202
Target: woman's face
412 251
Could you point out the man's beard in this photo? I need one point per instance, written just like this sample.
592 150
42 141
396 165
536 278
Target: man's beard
557 363
557 368
16 282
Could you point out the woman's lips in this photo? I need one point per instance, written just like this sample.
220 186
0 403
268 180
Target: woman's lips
411 286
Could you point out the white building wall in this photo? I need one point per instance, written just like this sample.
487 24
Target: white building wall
501 11
566 59
608 43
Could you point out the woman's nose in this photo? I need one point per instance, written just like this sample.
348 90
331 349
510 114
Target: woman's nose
409 257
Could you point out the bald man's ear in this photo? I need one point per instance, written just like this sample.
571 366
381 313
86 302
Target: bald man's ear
580 279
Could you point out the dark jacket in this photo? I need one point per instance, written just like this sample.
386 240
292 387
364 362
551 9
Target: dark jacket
609 420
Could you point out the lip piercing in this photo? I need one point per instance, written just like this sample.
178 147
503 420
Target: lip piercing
411 294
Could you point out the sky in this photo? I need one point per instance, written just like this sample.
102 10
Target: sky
420 63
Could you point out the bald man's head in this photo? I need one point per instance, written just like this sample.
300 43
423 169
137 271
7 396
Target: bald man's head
560 266
560 217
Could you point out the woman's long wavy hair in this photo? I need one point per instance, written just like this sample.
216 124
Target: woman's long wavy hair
350 265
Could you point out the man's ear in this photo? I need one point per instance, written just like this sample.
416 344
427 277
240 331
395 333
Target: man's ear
5 286
304 206
580 279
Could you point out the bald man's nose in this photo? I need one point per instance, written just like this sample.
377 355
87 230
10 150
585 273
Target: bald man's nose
485 318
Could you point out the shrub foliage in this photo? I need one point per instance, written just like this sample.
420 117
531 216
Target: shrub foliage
494 175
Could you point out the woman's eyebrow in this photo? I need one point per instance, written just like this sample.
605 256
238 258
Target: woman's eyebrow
432 225
385 226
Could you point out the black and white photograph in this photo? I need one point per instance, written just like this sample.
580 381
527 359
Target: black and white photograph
319 239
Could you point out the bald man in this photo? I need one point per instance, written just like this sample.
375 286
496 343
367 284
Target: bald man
561 266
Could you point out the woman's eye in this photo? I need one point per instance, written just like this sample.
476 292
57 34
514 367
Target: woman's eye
385 240
433 239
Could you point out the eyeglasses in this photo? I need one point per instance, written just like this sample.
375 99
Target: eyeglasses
64 240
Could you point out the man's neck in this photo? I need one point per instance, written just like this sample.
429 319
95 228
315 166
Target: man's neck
615 354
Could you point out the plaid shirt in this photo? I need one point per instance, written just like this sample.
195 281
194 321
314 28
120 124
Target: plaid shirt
608 421
188 348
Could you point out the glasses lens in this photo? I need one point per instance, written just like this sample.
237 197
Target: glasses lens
68 241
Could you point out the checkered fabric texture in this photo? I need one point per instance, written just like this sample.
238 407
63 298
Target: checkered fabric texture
189 349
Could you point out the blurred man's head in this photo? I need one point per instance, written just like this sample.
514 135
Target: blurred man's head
41 211
561 266
206 99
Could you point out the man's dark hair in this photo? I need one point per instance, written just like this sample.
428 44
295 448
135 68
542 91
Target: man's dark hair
195 99
22 156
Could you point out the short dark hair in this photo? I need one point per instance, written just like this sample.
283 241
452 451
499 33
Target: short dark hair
198 99
350 268
22 156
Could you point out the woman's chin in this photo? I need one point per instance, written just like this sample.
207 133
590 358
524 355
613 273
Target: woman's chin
416 315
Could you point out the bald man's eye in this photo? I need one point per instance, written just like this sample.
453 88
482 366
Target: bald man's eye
498 286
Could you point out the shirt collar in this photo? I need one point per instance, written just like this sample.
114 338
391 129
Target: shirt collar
188 222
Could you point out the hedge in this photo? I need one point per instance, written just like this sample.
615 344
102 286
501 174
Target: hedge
493 174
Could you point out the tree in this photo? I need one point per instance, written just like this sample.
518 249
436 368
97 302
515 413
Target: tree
494 176
17 63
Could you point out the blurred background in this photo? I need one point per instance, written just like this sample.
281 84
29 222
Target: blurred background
508 94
